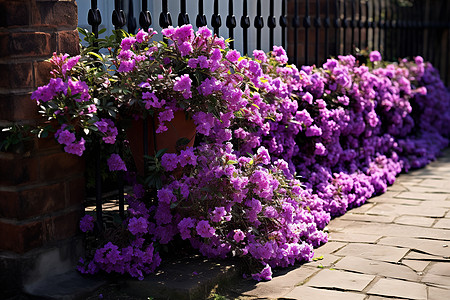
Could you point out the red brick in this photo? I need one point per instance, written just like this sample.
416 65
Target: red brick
56 14
16 169
15 107
14 13
4 42
42 72
30 44
60 165
16 75
68 42
76 191
61 227
32 202
20 238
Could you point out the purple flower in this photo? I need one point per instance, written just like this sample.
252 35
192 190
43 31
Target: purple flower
265 274
76 148
188 157
137 225
183 84
238 235
374 56
233 56
204 229
127 42
66 137
313 130
165 195
169 161
184 227
115 163
87 223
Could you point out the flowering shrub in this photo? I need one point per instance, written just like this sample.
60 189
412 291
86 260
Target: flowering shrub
347 128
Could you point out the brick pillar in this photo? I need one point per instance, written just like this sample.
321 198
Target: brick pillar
41 188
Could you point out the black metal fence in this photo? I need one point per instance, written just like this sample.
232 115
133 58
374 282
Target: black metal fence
310 30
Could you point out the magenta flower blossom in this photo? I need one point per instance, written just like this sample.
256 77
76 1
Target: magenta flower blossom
374 56
87 223
265 274
76 148
187 157
66 137
233 56
137 225
127 42
238 235
204 229
169 161
115 163
183 84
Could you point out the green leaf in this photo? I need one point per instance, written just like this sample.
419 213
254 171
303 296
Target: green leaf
318 258
96 55
232 162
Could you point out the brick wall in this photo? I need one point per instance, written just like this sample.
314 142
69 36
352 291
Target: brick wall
41 188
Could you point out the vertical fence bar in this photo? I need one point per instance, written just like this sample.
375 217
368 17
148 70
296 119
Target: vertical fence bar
306 25
337 26
216 21
98 189
296 25
367 24
94 17
131 20
183 17
231 23
317 24
200 21
165 19
353 26
118 17
326 25
387 30
380 24
283 23
245 24
271 23
345 26
145 18
360 24
374 25
259 24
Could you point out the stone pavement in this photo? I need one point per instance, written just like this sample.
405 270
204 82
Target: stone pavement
396 246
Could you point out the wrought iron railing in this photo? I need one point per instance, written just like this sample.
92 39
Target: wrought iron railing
397 28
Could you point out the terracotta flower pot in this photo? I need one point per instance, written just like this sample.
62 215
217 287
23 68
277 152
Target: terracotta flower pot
180 127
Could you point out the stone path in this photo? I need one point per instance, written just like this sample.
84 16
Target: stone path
396 246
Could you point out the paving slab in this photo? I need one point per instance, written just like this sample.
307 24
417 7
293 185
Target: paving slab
329 247
437 280
323 261
415 221
416 265
369 266
439 268
284 280
422 196
413 255
399 288
351 216
442 223
434 247
186 278
435 293
374 252
309 293
396 230
342 280
353 237
401 210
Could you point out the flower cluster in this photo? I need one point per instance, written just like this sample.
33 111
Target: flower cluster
345 129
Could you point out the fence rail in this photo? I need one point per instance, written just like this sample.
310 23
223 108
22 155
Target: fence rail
397 28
